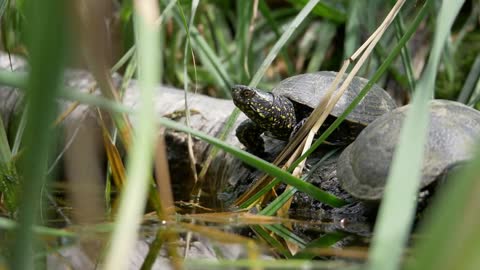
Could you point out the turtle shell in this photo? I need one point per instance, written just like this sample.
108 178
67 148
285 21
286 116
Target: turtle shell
363 166
309 89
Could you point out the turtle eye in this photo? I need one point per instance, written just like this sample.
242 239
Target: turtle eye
247 93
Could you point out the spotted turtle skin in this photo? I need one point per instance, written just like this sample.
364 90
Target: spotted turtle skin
283 110
363 166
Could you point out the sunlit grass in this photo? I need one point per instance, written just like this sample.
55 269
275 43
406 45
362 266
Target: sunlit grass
135 193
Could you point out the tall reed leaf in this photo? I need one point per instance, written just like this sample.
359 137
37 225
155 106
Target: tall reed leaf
5 152
140 159
324 10
398 206
3 7
46 45
8 224
243 36
451 233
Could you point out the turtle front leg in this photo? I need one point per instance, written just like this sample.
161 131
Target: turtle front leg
248 133
297 127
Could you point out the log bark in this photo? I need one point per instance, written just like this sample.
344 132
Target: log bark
207 115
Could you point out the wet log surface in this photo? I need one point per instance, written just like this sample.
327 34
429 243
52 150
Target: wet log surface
207 115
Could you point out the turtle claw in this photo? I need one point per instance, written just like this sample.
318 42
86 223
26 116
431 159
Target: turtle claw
297 127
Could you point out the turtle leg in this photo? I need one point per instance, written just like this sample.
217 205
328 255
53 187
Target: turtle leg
248 133
297 127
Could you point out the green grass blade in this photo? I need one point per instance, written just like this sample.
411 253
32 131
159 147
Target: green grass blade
451 229
46 38
124 59
19 79
208 56
243 37
220 34
476 95
3 7
286 234
19 134
306 43
261 232
405 55
260 193
5 152
324 241
448 61
265 40
397 210
470 82
269 264
199 43
352 28
267 13
325 35
139 165
276 204
8 224
323 10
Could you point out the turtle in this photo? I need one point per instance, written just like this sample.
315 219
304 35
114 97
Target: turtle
363 166
283 110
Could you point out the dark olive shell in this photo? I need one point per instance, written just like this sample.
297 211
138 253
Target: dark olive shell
309 89
364 165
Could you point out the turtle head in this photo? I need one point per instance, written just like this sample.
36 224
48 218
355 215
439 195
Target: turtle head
271 112
251 100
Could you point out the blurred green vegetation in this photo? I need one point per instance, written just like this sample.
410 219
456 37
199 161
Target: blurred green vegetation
321 42
230 40
449 86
